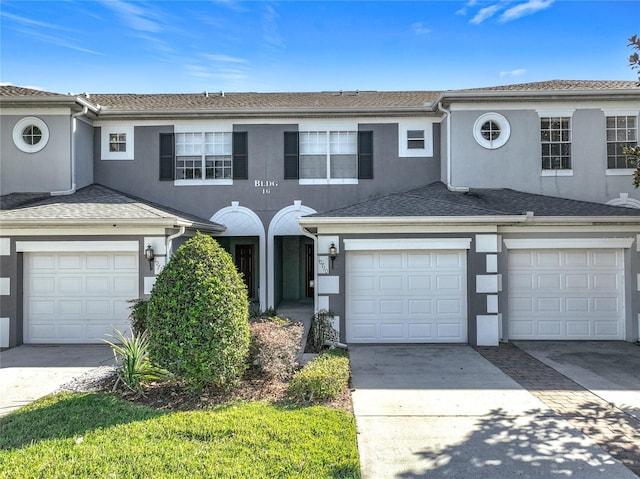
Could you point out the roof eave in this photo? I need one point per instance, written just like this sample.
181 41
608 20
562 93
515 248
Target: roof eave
620 94
109 222
106 113
308 221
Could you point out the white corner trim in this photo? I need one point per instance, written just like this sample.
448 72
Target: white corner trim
149 282
5 246
328 285
568 243
75 246
487 283
5 286
406 243
488 330
556 172
4 332
487 243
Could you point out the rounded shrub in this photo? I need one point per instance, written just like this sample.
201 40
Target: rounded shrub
197 316
321 379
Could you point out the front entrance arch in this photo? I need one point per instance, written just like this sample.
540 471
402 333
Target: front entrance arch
283 223
241 221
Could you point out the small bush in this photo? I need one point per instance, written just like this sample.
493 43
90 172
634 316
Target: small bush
197 316
136 366
321 332
274 346
138 315
321 379
256 313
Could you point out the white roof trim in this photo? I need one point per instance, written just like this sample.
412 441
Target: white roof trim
407 243
568 243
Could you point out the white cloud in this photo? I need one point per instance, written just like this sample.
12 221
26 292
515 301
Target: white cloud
514 73
528 8
223 58
464 10
420 28
270 27
485 13
134 16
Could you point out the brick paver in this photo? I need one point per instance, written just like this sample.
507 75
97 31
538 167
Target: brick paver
615 431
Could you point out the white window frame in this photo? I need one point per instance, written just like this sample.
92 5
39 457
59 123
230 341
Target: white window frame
203 157
25 123
328 128
627 169
504 129
403 139
116 129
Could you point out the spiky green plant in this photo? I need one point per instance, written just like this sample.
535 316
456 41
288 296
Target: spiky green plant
136 367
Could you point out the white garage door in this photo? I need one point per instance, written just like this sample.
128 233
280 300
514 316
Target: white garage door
566 294
406 296
77 297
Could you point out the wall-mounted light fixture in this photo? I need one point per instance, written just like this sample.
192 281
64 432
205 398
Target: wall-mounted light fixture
150 256
333 252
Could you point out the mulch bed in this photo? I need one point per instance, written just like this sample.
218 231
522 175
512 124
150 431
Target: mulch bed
176 396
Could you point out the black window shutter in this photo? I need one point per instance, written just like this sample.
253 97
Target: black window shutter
365 155
291 156
167 157
240 156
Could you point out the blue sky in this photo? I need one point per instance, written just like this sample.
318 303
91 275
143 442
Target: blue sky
114 46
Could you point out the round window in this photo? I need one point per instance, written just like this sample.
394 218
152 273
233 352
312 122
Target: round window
491 130
30 134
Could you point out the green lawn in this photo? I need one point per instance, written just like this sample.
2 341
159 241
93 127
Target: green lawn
98 435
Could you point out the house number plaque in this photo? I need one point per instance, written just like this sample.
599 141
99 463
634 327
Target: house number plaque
265 185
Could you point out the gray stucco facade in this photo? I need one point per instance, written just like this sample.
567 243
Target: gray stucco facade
428 206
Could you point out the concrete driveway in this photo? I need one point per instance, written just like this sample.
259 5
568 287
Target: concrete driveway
30 372
444 411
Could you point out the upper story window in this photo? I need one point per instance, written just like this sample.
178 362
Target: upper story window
30 134
327 155
555 138
203 156
117 142
491 130
621 131
193 158
415 139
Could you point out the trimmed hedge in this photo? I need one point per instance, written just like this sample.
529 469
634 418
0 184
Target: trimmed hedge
197 316
323 378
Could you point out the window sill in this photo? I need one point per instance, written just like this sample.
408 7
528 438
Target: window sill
619 172
324 181
116 158
201 182
556 173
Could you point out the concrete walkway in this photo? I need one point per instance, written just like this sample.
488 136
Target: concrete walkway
30 372
442 411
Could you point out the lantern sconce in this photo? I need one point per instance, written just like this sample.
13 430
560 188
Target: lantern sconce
150 256
333 252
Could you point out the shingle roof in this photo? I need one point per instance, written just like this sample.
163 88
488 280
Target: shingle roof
562 85
264 101
436 200
18 91
92 203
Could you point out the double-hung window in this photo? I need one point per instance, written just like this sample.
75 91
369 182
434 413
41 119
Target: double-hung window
621 131
415 139
555 137
203 156
328 155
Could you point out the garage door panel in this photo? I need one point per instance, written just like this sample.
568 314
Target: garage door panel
586 288
410 299
77 297
420 306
